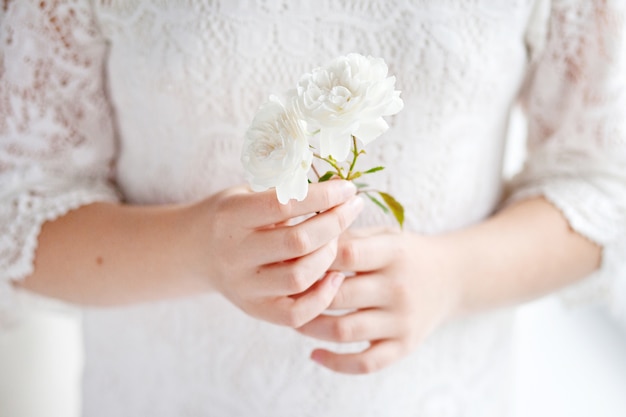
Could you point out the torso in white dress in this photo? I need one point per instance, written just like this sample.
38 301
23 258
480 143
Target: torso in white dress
159 97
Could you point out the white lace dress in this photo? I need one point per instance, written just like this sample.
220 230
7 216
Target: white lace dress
147 101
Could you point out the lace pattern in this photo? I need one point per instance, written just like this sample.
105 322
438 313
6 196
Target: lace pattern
56 132
194 72
577 135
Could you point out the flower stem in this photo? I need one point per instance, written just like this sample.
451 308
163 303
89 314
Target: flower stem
333 164
355 155
317 174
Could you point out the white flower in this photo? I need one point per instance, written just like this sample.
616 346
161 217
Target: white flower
276 152
348 97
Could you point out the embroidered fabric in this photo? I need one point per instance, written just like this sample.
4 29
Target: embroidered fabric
56 132
577 137
149 101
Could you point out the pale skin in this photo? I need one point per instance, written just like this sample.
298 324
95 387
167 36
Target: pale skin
234 242
240 244
406 285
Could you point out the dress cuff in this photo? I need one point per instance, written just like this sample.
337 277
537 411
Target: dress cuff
601 220
23 217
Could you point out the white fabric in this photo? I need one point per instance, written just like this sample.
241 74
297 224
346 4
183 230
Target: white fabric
154 97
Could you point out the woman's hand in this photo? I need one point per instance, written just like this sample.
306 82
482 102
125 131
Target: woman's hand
265 266
406 285
403 288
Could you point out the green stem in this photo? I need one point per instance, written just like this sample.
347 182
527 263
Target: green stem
355 155
332 163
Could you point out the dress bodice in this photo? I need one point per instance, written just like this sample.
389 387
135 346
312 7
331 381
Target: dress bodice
147 102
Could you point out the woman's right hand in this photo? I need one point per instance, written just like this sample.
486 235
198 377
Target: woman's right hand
268 268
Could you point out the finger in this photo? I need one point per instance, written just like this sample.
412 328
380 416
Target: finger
379 355
295 276
358 326
369 232
267 210
363 291
367 253
283 243
296 311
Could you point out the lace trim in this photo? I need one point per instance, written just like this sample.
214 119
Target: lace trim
574 99
20 230
56 129
607 285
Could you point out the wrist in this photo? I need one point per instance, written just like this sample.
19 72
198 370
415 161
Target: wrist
189 249
468 270
446 265
455 261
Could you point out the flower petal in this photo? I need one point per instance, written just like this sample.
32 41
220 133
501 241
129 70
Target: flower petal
395 106
335 144
276 151
370 130
295 186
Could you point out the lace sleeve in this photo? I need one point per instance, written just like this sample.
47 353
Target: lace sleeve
576 107
56 132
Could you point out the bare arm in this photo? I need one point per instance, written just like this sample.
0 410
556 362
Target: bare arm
525 251
108 253
236 243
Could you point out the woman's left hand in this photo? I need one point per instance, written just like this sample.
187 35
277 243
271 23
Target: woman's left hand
404 286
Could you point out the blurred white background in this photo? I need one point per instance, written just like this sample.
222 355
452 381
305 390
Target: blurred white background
570 362
40 362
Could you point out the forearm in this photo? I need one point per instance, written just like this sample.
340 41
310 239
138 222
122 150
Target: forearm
235 242
523 252
107 254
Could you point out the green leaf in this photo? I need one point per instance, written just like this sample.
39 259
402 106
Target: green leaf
326 176
355 175
375 169
396 208
361 185
378 203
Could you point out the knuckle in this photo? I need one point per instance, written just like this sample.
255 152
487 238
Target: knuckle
343 331
297 280
348 255
293 318
221 211
226 207
298 241
401 290
400 287
225 201
368 365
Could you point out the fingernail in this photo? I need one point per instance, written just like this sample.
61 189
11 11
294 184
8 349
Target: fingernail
337 279
348 189
356 203
316 356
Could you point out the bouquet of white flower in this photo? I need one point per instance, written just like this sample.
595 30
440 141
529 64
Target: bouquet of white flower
342 104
